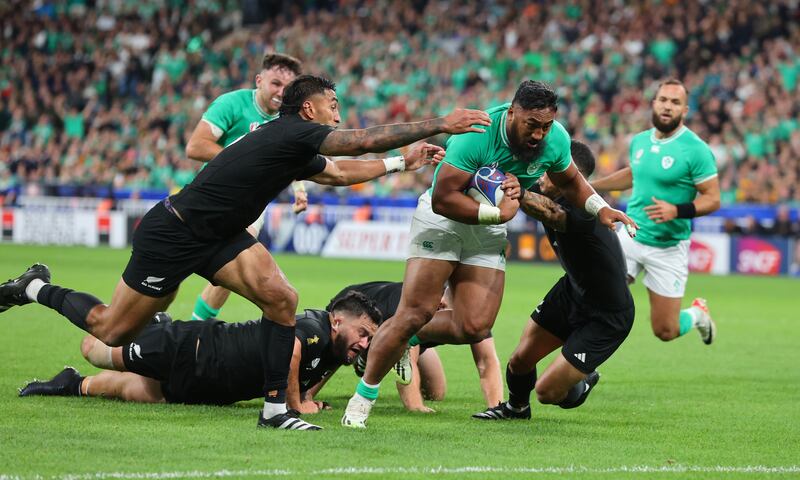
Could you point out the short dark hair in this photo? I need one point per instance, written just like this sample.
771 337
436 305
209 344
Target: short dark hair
357 304
583 157
282 61
535 95
673 81
300 89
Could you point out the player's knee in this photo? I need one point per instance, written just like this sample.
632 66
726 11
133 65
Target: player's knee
86 345
435 394
545 394
475 333
114 336
665 332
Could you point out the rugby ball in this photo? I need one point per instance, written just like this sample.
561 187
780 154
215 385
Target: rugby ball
485 186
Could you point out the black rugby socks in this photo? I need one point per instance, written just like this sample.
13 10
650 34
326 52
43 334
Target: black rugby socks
520 387
73 305
277 345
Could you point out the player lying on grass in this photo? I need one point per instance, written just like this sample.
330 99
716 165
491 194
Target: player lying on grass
217 363
421 375
588 312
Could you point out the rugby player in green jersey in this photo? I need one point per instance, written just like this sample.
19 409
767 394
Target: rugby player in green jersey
457 240
674 179
229 117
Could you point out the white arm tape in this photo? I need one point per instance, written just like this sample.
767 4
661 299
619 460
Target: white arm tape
594 203
298 186
394 164
488 215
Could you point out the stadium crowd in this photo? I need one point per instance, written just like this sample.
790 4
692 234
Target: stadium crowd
101 95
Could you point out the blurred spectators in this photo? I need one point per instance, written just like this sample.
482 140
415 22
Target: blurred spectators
99 94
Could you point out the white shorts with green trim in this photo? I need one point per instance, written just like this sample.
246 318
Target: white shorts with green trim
436 237
666 270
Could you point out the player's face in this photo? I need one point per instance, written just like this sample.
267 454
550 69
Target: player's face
270 85
527 130
323 108
351 336
669 107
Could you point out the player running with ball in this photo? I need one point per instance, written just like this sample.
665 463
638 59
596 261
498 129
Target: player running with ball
456 239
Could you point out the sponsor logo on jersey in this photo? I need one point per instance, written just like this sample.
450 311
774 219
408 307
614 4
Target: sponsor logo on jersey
427 245
134 348
667 162
655 149
638 155
312 340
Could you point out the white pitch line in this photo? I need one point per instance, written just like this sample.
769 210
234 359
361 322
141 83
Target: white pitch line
755 469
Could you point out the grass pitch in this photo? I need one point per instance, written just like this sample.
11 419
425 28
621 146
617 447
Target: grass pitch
676 410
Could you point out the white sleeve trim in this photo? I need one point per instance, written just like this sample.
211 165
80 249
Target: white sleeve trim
704 179
215 130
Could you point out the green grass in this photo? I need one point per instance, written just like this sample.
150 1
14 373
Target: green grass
675 406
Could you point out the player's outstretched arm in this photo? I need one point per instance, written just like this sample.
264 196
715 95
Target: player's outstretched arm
202 145
450 201
386 137
578 192
545 210
351 172
619 180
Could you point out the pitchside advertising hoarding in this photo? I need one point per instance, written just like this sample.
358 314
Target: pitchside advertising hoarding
59 226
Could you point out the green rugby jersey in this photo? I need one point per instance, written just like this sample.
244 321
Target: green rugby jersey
235 114
667 169
471 151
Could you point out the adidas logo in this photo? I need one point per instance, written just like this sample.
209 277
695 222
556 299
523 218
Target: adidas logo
581 357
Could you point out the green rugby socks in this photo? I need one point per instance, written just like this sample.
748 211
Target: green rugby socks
202 310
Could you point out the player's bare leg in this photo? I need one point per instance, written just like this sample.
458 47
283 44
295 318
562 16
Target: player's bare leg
254 275
563 384
423 285
126 386
669 321
477 294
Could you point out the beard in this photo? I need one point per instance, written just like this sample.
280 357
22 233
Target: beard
527 154
666 127
341 349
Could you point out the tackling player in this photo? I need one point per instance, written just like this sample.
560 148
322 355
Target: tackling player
229 117
457 240
674 179
589 311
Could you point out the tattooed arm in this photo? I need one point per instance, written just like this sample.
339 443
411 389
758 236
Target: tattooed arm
545 210
386 137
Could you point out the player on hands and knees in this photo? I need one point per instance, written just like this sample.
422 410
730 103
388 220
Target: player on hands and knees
456 240
674 179
231 116
203 228
588 312
218 363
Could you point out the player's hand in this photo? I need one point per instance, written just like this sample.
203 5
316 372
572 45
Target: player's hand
309 406
423 154
508 209
661 211
511 187
300 202
610 216
462 120
421 409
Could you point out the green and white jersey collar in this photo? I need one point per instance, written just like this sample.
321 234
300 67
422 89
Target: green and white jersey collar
674 136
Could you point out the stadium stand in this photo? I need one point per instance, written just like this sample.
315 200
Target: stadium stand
97 98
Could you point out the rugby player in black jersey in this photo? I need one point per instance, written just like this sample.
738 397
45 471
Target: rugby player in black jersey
202 228
217 363
588 312
425 380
